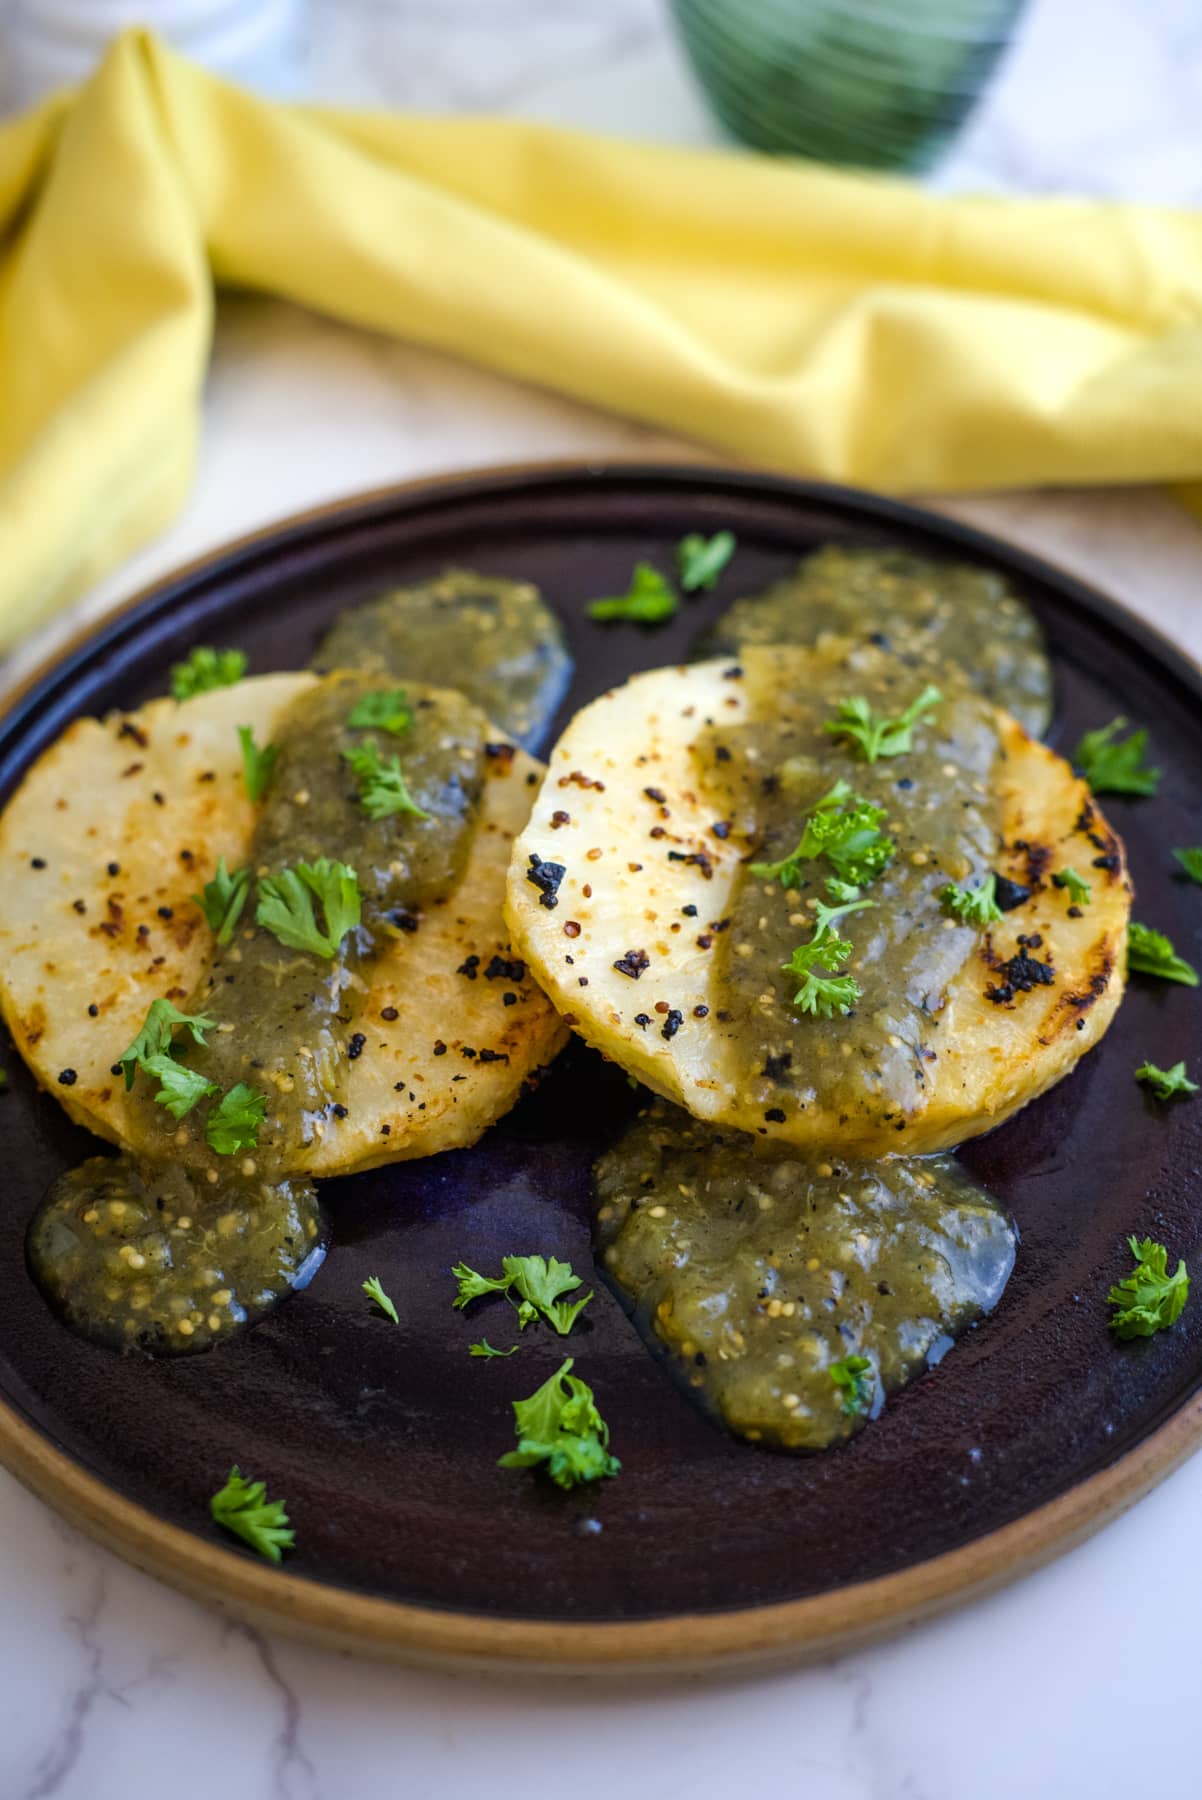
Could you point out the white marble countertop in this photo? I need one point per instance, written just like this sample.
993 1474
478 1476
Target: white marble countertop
1077 1680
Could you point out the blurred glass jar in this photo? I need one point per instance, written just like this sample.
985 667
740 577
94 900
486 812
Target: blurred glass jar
882 84
49 43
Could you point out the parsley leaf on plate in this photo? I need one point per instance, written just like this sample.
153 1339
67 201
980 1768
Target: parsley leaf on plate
180 1088
154 1039
1079 890
650 599
243 1508
384 709
286 905
223 899
559 1426
874 735
1166 1082
845 828
854 1375
1149 1299
1191 861
1114 765
205 670
234 1122
1151 953
471 1285
382 787
484 1348
972 906
374 1291
700 560
539 1284
256 764
825 994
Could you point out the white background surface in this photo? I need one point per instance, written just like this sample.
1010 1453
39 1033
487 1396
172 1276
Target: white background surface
1082 1680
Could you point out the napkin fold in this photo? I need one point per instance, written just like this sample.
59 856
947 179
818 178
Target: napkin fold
845 326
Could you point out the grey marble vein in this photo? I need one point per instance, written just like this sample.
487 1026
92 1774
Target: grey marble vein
293 1774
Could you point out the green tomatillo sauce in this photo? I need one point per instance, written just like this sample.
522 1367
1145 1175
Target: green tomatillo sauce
764 778
173 1245
762 1278
145 1257
929 614
497 641
283 1014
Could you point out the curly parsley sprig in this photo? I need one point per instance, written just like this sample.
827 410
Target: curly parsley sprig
1166 1083
206 669
243 1507
872 733
222 900
383 790
824 994
700 560
1114 765
559 1428
649 600
1078 889
158 1028
234 1122
257 763
180 1089
374 1289
383 709
855 1378
286 905
972 906
844 828
1149 1299
1151 953
538 1284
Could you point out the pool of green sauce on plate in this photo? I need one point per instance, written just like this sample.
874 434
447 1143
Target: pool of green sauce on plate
143 1256
495 640
930 614
755 1274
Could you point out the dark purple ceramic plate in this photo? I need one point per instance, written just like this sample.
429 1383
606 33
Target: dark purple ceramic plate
384 1441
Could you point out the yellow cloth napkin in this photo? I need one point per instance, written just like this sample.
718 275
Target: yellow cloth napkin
828 324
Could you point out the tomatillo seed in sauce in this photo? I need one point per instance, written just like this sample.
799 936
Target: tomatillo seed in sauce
757 1275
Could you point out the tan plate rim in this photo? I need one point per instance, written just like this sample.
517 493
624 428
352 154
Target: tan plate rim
825 1624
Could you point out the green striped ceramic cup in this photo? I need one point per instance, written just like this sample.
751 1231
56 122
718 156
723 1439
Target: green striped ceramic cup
880 84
